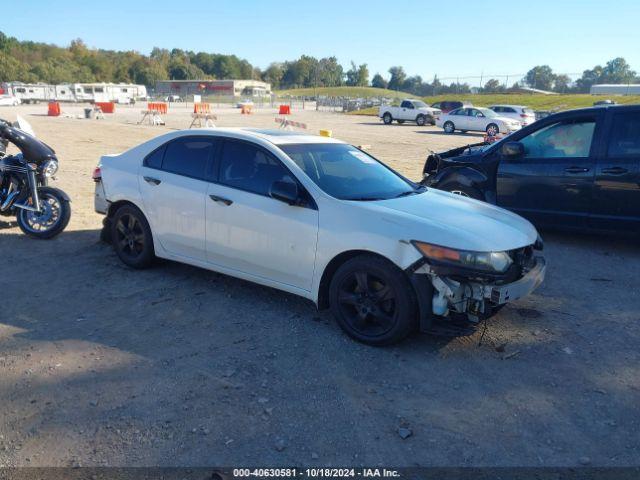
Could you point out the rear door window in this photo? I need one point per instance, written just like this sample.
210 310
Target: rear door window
624 139
188 156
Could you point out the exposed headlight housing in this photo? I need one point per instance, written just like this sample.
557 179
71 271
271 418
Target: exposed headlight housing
492 262
49 168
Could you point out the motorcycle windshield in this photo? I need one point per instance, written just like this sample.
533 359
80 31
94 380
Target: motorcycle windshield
33 149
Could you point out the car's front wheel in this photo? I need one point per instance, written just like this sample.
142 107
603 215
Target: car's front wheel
387 118
449 127
131 237
421 120
373 301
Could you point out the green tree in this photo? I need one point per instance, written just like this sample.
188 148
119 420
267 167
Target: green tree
378 81
492 86
540 77
398 76
561 83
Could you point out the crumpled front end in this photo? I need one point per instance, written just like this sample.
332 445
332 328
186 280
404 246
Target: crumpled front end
476 295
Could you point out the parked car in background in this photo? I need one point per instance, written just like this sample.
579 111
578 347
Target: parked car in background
318 218
173 99
575 169
449 105
9 100
244 103
524 115
476 119
604 102
409 111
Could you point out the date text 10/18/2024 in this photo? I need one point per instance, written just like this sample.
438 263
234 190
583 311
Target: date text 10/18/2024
315 473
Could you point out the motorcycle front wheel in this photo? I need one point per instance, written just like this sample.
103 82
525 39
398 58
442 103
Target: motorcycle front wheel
52 218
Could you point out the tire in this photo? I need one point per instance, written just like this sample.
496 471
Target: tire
492 130
52 221
464 191
373 301
131 237
387 118
421 120
449 127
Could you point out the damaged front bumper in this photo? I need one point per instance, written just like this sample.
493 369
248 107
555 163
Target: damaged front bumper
475 298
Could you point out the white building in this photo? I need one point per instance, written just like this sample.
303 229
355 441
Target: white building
608 89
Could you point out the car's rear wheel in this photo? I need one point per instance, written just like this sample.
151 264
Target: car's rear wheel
387 118
421 120
131 237
492 130
372 300
449 127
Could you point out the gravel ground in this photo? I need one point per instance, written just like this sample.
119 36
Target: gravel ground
177 366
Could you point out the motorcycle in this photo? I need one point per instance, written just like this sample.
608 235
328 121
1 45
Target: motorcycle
41 211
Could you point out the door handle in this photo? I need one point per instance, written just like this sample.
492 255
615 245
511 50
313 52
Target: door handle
576 169
226 201
152 181
615 170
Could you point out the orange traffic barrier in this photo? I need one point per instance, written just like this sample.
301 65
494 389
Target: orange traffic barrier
54 109
284 110
201 108
159 107
106 107
245 110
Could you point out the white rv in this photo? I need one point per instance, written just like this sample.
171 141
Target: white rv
76 92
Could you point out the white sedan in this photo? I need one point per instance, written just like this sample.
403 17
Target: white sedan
477 119
9 100
318 218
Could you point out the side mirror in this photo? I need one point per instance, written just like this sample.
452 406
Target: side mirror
285 191
512 150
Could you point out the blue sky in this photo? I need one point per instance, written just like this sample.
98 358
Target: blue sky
456 38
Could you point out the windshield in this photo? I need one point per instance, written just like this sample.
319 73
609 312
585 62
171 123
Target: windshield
347 173
419 104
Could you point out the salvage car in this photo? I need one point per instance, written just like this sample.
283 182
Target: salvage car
318 218
476 119
575 169
409 111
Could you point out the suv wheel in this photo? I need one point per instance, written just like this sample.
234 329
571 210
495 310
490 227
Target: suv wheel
373 301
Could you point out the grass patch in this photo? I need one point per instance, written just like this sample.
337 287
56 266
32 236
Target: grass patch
537 102
353 92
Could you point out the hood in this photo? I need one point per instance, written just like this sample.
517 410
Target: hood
453 221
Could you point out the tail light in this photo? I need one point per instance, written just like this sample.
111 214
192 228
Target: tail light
97 174
523 115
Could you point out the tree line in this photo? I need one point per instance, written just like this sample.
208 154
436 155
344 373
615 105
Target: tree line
30 62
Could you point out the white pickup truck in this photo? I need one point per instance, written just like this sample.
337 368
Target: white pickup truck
409 111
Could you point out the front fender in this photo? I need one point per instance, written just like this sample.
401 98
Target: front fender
57 191
463 175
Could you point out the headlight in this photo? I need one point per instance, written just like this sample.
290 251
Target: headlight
484 261
49 168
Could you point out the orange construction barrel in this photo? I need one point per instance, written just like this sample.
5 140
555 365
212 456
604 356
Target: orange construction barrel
54 109
284 110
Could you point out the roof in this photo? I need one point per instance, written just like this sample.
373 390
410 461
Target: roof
274 136
508 105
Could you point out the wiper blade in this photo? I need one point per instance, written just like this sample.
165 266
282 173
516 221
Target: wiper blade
420 189
364 199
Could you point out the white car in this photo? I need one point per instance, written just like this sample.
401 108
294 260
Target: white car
409 111
319 218
9 100
476 119
522 114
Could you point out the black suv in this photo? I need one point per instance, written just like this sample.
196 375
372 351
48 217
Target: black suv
576 169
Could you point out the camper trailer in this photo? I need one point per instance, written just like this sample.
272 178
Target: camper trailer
76 92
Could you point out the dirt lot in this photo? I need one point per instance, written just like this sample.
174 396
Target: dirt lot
102 365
